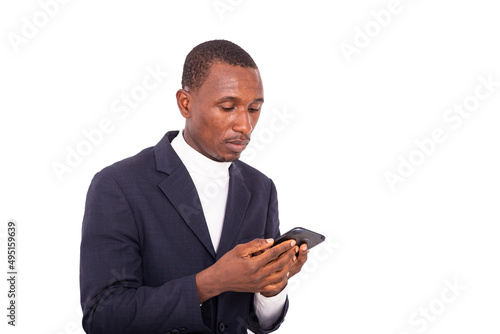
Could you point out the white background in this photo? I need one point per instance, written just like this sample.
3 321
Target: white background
390 252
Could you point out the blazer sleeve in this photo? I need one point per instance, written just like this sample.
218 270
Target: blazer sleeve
272 231
113 296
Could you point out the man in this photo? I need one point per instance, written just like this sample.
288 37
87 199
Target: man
179 238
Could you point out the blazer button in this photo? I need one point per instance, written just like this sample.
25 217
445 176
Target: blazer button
183 330
222 327
175 331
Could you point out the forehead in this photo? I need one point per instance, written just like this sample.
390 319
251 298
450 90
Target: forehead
229 80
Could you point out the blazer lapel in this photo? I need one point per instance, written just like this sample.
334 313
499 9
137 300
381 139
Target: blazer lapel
181 191
238 198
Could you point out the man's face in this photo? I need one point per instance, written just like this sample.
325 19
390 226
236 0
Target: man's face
222 114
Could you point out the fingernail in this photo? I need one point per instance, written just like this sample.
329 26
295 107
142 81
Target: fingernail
293 243
304 248
296 249
269 241
294 258
287 274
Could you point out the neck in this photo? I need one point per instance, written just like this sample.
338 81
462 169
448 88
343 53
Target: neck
198 163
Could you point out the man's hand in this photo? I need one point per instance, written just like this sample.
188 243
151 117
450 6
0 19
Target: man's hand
298 263
246 268
301 260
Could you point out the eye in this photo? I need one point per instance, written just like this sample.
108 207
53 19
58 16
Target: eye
254 109
226 108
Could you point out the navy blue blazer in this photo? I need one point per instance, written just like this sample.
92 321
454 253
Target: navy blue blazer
144 238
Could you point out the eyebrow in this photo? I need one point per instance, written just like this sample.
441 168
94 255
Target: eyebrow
233 98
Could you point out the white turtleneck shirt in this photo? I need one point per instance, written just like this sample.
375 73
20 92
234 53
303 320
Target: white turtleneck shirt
211 179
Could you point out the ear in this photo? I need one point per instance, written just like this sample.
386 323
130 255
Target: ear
184 102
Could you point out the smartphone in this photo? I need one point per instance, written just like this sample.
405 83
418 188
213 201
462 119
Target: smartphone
301 236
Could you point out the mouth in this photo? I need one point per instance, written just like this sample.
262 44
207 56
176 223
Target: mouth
237 146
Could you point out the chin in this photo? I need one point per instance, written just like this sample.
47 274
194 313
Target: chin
227 157
230 159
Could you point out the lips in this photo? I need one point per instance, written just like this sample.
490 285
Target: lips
237 146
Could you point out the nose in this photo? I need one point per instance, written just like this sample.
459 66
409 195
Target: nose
242 122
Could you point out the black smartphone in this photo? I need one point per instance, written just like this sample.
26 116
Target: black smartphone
301 236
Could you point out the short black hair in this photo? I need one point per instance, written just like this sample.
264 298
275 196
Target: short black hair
199 61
